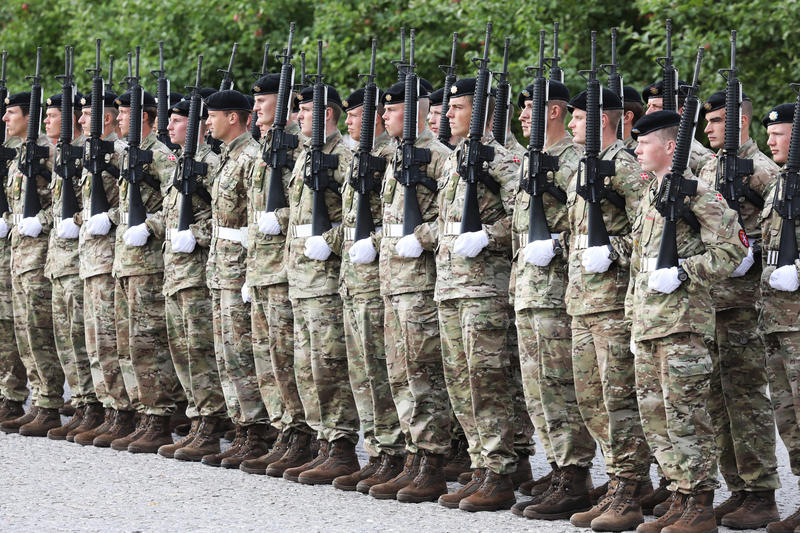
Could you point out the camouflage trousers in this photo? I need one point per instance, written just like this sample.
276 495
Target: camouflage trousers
320 362
605 387
783 368
369 378
521 420
191 345
477 371
13 381
416 376
739 406
101 342
70 337
262 356
234 351
33 328
546 357
672 378
142 343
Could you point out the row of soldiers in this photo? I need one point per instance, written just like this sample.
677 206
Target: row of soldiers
300 337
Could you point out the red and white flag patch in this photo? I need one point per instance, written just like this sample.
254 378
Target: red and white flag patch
645 176
172 157
719 197
516 160
744 239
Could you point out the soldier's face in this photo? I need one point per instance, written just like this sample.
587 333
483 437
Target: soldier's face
393 119
177 128
124 120
778 137
52 122
577 125
304 117
653 105
265 107
86 120
654 154
434 117
525 118
353 122
16 121
715 128
217 124
459 113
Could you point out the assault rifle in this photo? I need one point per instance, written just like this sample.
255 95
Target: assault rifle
401 63
787 194
502 100
556 74
69 156
6 154
614 78
449 79
669 74
162 94
254 129
32 154
97 152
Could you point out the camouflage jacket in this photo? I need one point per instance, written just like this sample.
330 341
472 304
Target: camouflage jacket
486 274
6 307
266 253
589 293
534 286
709 256
742 292
147 259
181 270
630 143
309 278
513 146
400 275
227 259
699 157
97 251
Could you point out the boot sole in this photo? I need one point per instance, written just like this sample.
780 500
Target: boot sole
413 499
230 466
750 525
306 481
167 455
616 529
56 437
256 471
207 463
556 516
378 496
465 506
349 488
29 434
131 449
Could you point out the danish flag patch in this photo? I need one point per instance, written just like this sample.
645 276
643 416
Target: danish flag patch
744 239
718 196
172 157
644 176
516 159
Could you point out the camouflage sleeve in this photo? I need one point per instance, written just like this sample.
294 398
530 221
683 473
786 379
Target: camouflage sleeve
156 223
629 182
427 233
722 236
113 214
635 258
505 173
45 216
335 239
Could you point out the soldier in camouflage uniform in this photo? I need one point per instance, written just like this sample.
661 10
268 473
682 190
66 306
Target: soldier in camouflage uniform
672 314
739 405
634 110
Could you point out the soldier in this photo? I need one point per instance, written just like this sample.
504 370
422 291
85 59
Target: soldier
671 320
634 110
739 405
228 113
435 114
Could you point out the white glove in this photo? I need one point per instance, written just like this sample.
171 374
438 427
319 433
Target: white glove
3 228
243 236
408 246
539 253
245 293
183 241
363 252
268 223
471 243
317 248
136 235
664 280
633 346
30 227
596 259
745 265
784 279
67 229
99 224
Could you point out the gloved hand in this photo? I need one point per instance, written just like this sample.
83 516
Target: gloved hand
633 346
664 280
136 235
4 229
596 259
245 293
183 241
471 243
408 246
539 253
67 229
317 248
745 265
243 237
363 252
268 223
784 279
98 224
30 227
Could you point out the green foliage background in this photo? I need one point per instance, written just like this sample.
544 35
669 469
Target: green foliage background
767 59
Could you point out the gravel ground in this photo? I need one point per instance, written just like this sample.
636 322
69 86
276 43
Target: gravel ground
60 486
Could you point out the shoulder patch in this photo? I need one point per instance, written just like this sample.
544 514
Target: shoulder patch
516 159
718 196
172 157
744 239
644 175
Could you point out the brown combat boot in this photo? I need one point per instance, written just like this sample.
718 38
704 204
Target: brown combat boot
787 525
585 518
9 410
625 511
458 461
537 486
452 499
341 461
293 474
351 481
168 450
205 441
390 466
257 442
124 424
389 489
178 422
598 492
658 496
259 465
67 409
519 507
13 425
215 459
757 510
698 517
428 484
93 416
108 421
60 433
156 436
662 508
678 502
121 444
46 419
570 497
496 493
734 501
298 453
523 473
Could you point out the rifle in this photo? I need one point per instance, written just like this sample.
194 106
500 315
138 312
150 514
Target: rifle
32 154
502 100
320 164
593 170
670 74
254 130
276 154
96 151
541 165
110 84
163 101
401 63
69 157
125 83
302 85
367 169
449 79
408 163
227 75
556 74
135 158
474 154
787 194
670 201
614 78
6 154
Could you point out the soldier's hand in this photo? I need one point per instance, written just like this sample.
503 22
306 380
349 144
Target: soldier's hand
3 228
596 259
539 253
317 248
363 252
471 243
245 293
784 279
99 224
30 227
408 246
67 229
745 265
183 241
664 280
136 235
268 223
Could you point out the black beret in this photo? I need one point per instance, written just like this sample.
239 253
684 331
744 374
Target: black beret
396 94
295 104
124 100
174 98
610 101
463 87
307 95
556 91
629 94
108 99
427 85
267 84
22 99
354 101
654 122
780 114
717 101
205 92
55 101
251 99
229 100
436 97
180 108
656 90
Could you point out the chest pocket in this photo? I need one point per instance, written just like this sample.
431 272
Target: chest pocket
389 187
17 188
297 190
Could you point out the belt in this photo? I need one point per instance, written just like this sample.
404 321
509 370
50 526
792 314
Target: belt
16 218
392 230
123 215
171 232
648 264
303 231
452 228
579 242
772 257
228 234
350 233
522 239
